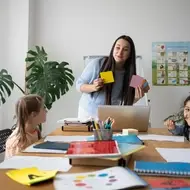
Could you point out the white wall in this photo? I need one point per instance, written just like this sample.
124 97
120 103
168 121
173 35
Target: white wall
71 29
3 44
15 39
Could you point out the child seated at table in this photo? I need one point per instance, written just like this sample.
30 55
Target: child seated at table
180 129
30 112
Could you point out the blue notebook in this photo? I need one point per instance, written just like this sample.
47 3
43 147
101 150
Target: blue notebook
130 139
176 169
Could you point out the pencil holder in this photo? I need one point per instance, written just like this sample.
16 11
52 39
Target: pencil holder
103 134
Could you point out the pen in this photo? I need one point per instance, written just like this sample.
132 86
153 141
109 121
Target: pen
97 130
107 124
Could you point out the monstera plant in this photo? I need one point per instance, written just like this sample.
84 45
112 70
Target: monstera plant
6 85
49 79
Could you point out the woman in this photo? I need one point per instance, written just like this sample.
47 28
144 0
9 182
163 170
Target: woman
122 62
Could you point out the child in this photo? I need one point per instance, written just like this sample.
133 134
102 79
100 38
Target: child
183 128
30 112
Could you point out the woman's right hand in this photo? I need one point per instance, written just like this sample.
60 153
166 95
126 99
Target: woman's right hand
97 84
169 124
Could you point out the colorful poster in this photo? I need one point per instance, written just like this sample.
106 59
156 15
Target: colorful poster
171 63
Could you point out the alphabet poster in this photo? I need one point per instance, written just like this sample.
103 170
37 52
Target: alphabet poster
171 63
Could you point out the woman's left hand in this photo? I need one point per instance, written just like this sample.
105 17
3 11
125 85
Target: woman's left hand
139 93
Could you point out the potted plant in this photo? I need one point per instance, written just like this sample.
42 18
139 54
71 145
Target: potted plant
49 79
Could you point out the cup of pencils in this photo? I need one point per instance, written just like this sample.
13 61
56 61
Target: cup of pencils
103 130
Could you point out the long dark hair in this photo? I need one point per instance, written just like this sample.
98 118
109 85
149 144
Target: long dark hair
128 93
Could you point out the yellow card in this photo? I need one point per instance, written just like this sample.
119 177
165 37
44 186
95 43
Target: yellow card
29 176
107 76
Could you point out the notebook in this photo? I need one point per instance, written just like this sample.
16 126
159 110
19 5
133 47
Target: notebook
29 176
176 169
91 149
106 179
52 145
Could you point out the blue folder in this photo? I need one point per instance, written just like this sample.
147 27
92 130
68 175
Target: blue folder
130 139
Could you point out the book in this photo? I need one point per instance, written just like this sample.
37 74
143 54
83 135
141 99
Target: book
52 145
92 149
176 169
106 179
29 176
126 152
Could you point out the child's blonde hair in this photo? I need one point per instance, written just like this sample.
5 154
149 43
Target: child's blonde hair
24 108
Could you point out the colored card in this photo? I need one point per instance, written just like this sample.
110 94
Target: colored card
168 183
107 77
136 81
29 176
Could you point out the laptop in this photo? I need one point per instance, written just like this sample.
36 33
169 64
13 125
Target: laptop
136 117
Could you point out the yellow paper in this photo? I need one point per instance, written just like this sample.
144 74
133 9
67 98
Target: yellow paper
29 176
107 76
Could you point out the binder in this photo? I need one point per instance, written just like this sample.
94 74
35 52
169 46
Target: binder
175 169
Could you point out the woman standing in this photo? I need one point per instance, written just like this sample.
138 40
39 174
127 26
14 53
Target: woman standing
122 62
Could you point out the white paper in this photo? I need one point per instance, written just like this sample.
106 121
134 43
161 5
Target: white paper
175 154
161 138
65 138
42 163
107 179
38 150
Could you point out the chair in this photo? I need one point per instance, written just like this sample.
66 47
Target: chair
4 134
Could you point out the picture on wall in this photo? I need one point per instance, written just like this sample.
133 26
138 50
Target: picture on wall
171 63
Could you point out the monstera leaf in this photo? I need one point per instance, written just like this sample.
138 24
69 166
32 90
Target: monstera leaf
6 85
49 79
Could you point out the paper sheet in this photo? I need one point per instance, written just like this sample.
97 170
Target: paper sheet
42 163
161 138
107 179
38 150
65 138
175 154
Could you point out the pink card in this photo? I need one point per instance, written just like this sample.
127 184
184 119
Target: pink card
136 81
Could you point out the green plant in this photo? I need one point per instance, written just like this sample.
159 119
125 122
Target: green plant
49 79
